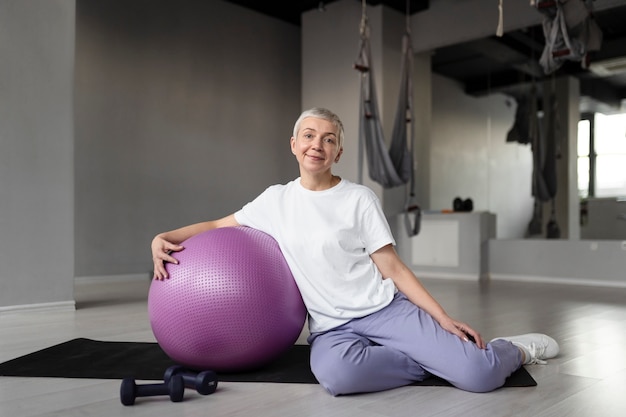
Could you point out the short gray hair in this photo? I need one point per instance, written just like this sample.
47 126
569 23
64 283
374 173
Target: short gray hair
325 114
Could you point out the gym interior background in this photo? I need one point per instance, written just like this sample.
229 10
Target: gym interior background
121 119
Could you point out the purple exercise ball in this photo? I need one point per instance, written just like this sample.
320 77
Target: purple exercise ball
231 304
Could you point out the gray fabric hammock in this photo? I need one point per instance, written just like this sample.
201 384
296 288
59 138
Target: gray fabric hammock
552 153
570 32
393 167
545 151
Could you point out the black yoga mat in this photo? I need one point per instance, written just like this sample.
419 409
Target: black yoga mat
86 358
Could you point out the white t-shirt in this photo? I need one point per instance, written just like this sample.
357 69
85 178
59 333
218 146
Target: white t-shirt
326 238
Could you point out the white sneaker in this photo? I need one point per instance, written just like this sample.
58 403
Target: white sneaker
537 347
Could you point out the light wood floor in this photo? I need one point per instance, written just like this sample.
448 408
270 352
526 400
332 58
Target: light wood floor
587 379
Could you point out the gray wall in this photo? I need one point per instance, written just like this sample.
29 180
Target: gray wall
582 262
184 112
36 152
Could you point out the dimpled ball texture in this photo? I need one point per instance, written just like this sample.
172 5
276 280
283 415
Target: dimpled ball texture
231 304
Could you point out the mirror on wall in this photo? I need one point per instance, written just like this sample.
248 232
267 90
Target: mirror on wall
512 62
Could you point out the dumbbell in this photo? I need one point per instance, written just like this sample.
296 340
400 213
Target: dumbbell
204 382
129 390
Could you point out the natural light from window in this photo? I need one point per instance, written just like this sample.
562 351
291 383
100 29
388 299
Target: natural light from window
583 158
610 156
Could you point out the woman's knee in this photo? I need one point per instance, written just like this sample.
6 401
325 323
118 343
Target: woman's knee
479 376
338 375
489 369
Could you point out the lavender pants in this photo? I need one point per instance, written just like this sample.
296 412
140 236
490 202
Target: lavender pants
401 344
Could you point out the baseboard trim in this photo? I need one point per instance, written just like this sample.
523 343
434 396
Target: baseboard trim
446 275
59 306
101 279
557 280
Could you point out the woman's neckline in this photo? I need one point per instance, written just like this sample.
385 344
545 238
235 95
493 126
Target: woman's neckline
334 181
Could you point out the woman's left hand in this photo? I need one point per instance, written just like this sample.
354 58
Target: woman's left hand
390 265
464 331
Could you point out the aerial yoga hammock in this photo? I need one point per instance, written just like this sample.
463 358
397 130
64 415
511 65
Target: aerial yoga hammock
552 152
545 151
393 167
570 32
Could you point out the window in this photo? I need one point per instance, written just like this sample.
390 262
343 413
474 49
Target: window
602 156
584 137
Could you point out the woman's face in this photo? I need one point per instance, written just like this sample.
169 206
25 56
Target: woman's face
317 145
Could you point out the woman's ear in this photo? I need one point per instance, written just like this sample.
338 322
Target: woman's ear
338 157
292 144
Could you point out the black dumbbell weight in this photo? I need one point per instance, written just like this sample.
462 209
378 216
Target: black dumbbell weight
205 382
129 390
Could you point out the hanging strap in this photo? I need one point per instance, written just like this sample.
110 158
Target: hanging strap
500 27
552 133
403 156
538 146
380 165
412 216
394 166
400 153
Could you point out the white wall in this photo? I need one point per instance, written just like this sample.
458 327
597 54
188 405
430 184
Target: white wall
470 157
36 148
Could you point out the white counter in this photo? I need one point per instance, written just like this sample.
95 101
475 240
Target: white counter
449 245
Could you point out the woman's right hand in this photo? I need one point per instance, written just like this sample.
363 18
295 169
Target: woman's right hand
161 253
